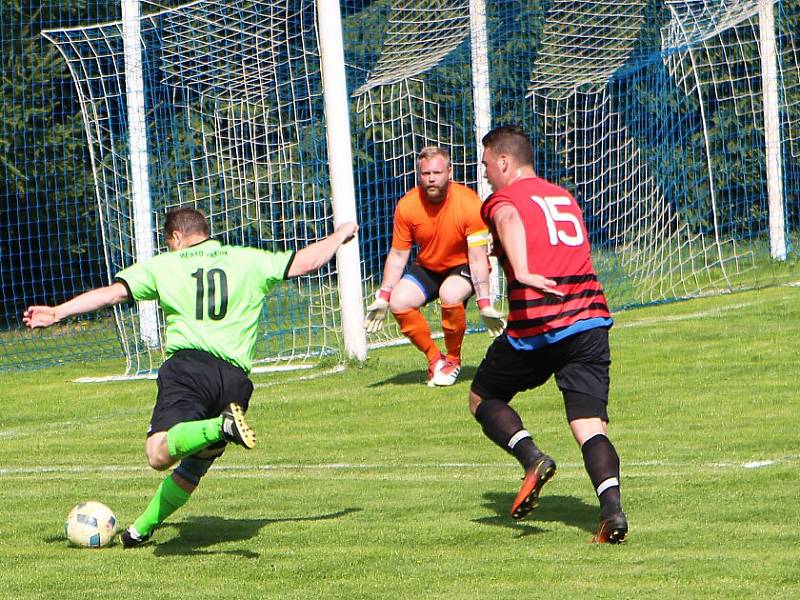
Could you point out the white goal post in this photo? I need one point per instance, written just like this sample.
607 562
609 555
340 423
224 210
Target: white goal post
340 158
137 141
772 129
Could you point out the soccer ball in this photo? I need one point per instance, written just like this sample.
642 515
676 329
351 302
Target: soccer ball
90 525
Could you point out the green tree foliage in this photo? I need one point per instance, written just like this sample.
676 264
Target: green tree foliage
48 240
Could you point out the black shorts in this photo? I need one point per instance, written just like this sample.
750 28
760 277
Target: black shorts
194 385
430 281
579 362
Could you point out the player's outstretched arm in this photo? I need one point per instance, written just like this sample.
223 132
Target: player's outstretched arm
44 316
512 235
313 256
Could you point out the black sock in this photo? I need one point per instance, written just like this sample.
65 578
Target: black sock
602 464
502 425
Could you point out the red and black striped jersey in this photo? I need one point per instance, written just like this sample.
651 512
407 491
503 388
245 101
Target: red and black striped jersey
558 248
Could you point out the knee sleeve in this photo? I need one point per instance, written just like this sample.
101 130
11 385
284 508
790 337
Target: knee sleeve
192 468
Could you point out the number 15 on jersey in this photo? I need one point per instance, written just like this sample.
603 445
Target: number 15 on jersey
562 226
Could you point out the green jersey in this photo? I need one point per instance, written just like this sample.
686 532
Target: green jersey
211 295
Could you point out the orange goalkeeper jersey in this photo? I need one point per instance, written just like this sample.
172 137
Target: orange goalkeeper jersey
440 230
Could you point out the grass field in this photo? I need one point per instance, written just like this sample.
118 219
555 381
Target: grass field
367 484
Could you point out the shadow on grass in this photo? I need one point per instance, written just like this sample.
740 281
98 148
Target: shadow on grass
562 509
418 377
197 533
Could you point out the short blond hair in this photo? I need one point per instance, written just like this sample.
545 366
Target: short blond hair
429 152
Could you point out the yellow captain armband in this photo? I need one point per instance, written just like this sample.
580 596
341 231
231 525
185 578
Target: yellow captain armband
479 238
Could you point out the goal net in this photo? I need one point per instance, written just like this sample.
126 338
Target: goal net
653 115
233 120
675 123
402 104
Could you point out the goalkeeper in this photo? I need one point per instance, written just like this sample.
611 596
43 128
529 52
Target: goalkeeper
212 297
443 219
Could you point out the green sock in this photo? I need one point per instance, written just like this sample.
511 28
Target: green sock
187 438
168 498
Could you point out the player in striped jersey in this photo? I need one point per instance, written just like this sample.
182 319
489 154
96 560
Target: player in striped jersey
558 325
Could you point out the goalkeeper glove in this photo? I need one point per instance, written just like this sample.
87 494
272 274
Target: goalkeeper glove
492 318
377 311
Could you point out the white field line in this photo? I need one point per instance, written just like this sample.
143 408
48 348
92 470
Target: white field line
108 378
714 312
672 466
336 369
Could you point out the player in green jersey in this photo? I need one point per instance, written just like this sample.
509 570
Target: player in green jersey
211 296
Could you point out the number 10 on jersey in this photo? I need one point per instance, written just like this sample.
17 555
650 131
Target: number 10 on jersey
207 286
